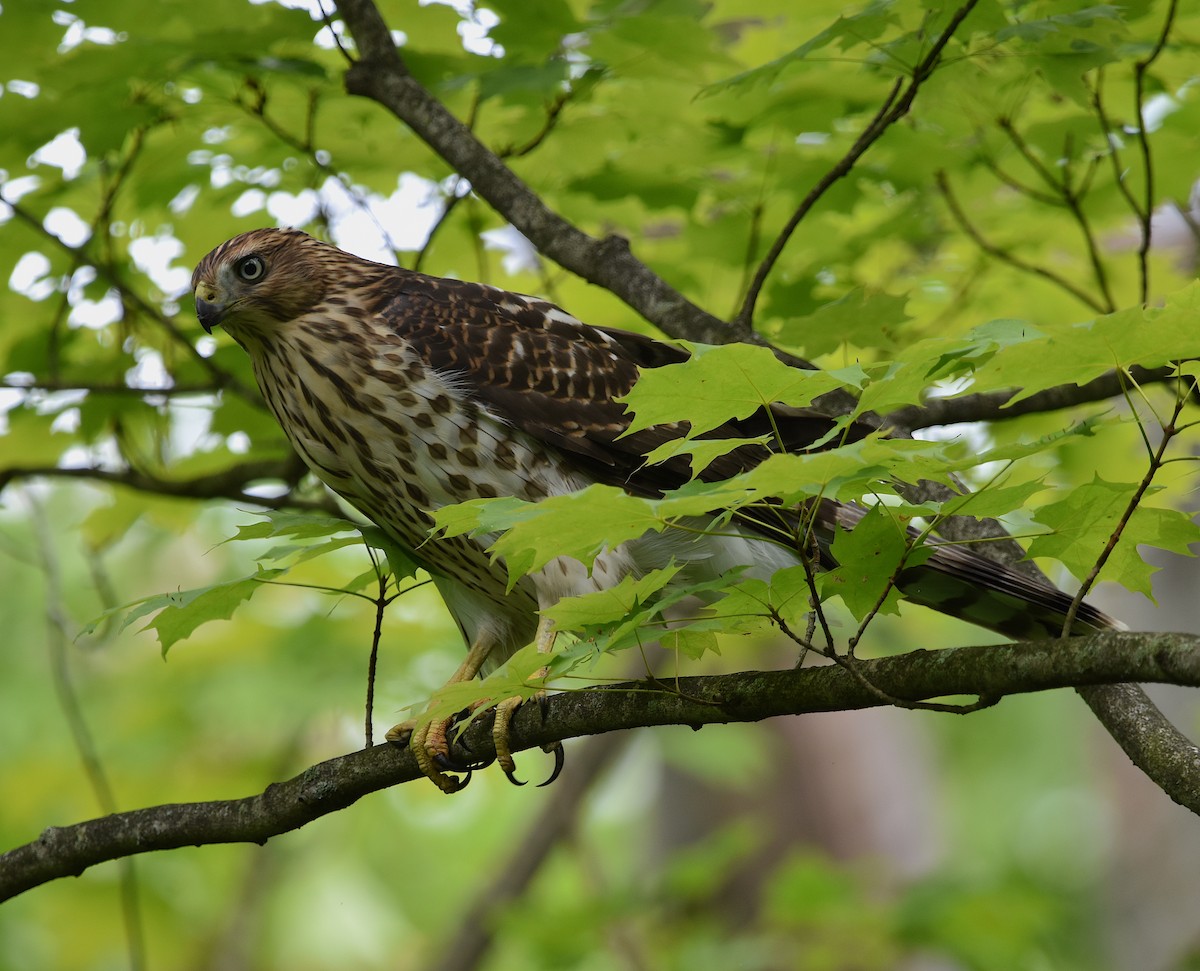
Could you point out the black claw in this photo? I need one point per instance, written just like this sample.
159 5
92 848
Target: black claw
512 777
446 764
560 759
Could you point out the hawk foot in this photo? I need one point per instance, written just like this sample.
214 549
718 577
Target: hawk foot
504 713
431 748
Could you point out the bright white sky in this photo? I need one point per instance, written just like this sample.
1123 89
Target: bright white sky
363 222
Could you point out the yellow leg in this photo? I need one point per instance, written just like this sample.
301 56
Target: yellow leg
504 712
428 741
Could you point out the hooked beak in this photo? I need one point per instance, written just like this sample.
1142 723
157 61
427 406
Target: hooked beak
209 314
208 310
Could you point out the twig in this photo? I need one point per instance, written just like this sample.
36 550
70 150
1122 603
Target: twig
58 642
227 484
1072 198
1139 101
223 379
380 74
1168 435
381 601
1005 256
307 145
54 385
895 106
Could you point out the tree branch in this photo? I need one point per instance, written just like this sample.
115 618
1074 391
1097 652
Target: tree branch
1101 659
382 76
227 484
992 405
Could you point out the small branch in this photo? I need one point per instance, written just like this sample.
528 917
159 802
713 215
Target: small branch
1045 198
1139 100
1169 432
1122 183
1005 256
381 601
50 385
895 106
553 113
228 484
1101 659
306 145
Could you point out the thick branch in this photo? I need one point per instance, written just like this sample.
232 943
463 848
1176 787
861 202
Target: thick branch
1102 659
381 75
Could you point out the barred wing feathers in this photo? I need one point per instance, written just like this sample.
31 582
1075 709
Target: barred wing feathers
555 378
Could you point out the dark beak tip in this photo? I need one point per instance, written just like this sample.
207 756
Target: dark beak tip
208 314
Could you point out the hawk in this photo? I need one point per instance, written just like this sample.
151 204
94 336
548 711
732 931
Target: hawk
405 392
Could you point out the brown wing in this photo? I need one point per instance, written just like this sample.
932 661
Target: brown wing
555 378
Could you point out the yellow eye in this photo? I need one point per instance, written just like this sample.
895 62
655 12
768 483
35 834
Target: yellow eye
250 268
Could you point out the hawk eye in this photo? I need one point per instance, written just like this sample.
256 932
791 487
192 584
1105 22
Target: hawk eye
250 268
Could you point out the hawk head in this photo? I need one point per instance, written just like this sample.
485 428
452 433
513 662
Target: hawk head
260 279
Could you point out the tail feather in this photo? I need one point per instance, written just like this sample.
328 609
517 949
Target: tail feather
960 583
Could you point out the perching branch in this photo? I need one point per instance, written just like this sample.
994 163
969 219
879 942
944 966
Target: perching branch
1102 659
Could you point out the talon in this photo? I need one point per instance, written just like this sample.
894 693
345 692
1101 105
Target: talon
560 759
447 764
511 775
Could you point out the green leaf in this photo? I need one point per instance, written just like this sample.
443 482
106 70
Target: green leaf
1078 353
991 502
611 604
702 452
691 643
303 552
535 533
869 556
719 383
860 318
846 33
180 613
1083 522
300 525
402 562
